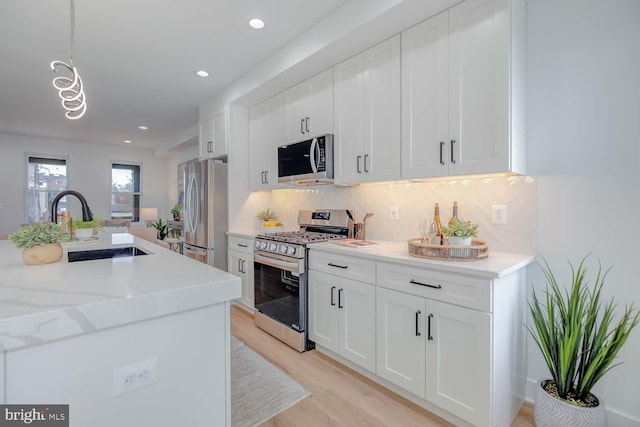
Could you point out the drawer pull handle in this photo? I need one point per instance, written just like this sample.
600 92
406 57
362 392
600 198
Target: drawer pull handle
337 265
340 298
243 245
413 282
333 288
417 320
429 337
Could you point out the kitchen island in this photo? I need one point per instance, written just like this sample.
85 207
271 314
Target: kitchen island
129 341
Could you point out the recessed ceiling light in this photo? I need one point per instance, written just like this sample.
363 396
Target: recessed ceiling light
127 141
143 128
256 23
202 73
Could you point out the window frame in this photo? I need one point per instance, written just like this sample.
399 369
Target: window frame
27 161
137 196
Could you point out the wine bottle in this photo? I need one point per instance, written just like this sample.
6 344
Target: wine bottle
437 240
455 213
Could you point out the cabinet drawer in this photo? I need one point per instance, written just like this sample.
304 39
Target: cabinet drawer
241 244
345 266
461 290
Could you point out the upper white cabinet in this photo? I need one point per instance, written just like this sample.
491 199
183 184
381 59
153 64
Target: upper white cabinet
265 134
213 139
463 91
308 108
367 115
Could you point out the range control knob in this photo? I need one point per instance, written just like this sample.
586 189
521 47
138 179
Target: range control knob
291 250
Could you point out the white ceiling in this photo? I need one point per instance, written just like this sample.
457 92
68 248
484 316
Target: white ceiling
137 59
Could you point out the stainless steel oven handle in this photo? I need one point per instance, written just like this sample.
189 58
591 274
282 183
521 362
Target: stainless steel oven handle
277 263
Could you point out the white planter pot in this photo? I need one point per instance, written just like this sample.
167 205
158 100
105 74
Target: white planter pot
83 233
459 241
552 412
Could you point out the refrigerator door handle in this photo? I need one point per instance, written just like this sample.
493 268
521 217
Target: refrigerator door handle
192 203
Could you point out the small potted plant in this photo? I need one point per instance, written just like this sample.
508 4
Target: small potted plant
269 223
84 230
176 211
40 243
163 229
460 232
579 340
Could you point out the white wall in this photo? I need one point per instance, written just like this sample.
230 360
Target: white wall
88 170
583 122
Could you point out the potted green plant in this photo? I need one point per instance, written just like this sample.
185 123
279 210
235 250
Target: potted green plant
460 232
269 223
177 212
162 228
579 340
84 230
40 243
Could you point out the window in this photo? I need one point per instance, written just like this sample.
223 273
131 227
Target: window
125 192
46 177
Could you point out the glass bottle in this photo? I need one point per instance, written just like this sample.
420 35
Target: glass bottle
437 240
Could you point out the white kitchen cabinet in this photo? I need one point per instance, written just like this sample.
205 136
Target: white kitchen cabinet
439 352
265 134
476 50
342 317
308 108
367 115
240 264
213 141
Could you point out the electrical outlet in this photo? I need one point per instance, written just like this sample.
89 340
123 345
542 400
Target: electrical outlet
498 214
135 376
394 212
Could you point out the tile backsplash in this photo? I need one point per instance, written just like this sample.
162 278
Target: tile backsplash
416 200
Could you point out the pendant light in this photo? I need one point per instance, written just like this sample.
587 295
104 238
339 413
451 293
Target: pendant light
69 86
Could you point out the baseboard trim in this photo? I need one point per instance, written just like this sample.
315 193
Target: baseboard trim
614 416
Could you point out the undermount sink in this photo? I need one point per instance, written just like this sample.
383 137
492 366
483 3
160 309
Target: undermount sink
104 253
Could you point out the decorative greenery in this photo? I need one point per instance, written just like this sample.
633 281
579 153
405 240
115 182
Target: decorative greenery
575 332
94 223
162 229
38 234
267 215
175 233
176 209
460 228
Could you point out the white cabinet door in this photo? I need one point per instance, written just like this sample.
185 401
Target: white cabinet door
367 115
241 265
324 318
458 374
308 109
206 138
220 146
425 98
265 134
479 102
401 350
357 306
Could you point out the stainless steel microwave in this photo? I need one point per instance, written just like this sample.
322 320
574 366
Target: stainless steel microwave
307 162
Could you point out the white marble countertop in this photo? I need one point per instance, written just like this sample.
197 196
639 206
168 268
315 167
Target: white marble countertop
494 266
40 303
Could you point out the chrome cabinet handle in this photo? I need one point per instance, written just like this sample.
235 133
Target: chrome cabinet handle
307 124
210 147
340 298
244 262
453 141
366 156
417 321
337 265
301 126
266 177
441 148
413 282
429 337
358 164
333 288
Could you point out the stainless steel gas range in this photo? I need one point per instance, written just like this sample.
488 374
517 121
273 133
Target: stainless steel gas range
280 263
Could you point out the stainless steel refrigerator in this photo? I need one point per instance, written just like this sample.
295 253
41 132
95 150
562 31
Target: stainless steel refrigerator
202 191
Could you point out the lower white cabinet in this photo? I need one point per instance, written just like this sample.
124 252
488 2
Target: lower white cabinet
437 351
342 317
240 264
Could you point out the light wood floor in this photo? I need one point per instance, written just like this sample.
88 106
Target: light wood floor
339 395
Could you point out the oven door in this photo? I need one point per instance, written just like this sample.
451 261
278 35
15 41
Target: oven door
280 288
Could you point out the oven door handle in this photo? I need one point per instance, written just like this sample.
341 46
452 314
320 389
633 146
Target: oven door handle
277 263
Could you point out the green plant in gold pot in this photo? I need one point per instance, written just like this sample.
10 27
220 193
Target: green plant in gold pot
40 243
579 339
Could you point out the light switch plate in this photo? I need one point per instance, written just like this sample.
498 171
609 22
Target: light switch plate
499 214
